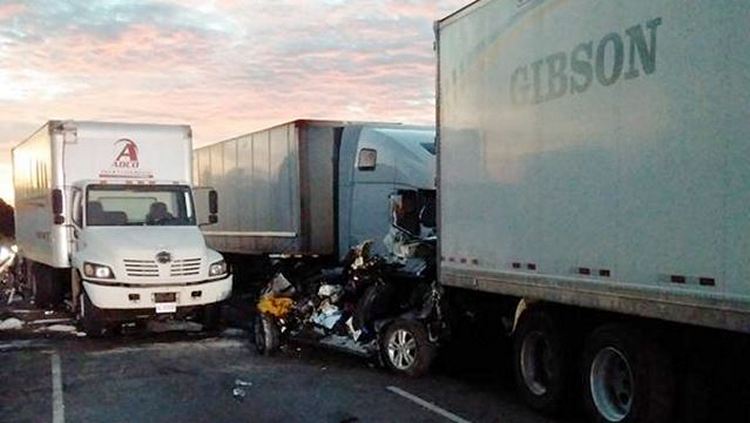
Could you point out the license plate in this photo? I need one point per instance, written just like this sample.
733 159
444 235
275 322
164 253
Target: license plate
165 297
166 308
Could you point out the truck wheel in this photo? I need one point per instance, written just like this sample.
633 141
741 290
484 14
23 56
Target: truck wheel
48 290
626 377
407 349
91 319
542 361
210 316
267 335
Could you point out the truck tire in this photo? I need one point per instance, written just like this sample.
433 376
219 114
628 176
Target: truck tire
210 316
91 319
267 335
543 365
406 348
626 377
48 290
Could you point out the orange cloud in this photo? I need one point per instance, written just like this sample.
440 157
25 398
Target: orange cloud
225 67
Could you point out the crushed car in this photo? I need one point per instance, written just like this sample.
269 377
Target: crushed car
387 307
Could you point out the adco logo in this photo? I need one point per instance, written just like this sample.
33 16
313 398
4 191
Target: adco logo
127 156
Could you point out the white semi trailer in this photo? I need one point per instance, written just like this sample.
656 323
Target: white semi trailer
105 214
593 190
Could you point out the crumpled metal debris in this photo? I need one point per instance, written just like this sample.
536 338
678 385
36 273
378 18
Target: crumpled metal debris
327 315
279 287
333 292
11 323
275 306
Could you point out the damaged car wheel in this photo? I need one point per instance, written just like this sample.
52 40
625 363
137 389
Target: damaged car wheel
407 349
267 335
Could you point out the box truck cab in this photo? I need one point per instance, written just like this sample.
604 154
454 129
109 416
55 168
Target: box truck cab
109 209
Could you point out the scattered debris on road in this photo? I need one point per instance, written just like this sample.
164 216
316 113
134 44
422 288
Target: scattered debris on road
239 393
11 323
242 383
58 328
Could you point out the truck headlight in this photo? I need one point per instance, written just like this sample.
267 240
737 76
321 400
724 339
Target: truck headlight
218 268
99 271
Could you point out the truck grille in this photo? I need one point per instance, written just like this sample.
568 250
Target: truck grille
185 267
141 268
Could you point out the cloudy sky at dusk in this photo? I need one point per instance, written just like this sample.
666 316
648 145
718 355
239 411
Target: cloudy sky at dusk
226 67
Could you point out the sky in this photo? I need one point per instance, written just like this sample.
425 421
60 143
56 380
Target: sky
226 67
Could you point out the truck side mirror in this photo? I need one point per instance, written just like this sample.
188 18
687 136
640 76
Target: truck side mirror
57 207
213 206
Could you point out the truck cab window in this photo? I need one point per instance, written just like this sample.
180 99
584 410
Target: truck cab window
139 205
367 159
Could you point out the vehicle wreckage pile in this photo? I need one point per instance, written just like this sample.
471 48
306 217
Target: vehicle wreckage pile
386 308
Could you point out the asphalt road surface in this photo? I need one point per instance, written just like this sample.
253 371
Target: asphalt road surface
198 378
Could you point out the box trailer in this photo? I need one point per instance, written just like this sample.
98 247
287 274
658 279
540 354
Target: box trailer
105 214
593 175
311 188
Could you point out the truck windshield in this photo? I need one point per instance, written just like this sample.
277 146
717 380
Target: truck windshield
130 205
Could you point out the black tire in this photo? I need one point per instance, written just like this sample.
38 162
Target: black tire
396 341
650 390
92 320
210 316
543 366
48 289
267 335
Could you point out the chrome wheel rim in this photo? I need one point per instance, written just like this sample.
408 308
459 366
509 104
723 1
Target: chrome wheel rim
402 349
612 384
536 363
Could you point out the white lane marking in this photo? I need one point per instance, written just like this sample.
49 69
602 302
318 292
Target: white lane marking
428 405
58 407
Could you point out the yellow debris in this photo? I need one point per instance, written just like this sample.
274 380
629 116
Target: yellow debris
275 306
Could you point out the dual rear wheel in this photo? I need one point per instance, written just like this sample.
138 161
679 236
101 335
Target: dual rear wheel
621 375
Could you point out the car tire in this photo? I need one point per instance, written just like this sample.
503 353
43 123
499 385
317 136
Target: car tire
267 335
542 361
406 348
627 377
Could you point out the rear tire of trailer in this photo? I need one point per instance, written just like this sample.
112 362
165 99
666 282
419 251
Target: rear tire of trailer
267 335
626 377
543 365
407 349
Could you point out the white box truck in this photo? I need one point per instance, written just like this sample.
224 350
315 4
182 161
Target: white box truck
593 190
105 213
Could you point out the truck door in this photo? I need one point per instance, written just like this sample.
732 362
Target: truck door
374 176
